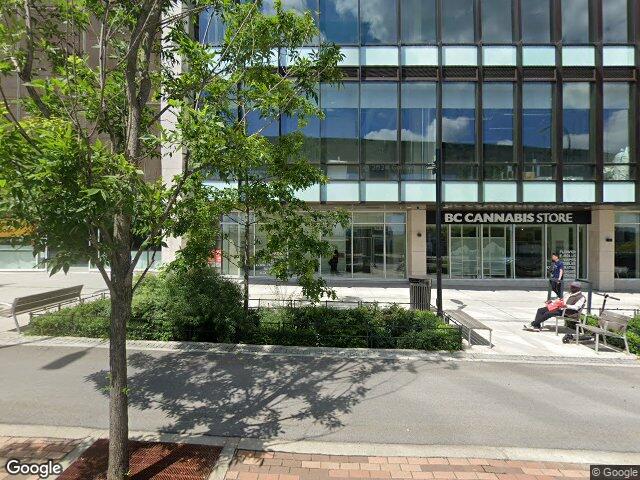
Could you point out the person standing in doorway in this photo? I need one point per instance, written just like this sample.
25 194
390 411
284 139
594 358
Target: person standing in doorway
557 274
333 262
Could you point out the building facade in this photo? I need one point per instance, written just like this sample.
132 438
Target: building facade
532 106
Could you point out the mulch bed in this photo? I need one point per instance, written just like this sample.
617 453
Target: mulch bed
148 461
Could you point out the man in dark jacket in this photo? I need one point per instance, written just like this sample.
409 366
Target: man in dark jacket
557 274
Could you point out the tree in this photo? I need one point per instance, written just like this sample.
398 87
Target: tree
72 168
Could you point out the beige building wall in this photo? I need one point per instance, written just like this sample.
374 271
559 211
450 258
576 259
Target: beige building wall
417 242
602 249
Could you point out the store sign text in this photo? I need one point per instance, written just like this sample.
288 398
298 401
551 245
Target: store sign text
461 217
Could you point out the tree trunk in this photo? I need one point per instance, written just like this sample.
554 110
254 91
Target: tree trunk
121 293
245 264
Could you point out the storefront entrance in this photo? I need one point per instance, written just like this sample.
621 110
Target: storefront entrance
508 251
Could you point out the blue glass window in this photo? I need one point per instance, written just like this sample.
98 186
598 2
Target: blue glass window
418 21
210 28
379 122
311 132
418 115
378 23
458 122
575 21
496 21
536 21
615 21
268 127
537 121
339 21
576 125
497 122
616 133
458 25
339 128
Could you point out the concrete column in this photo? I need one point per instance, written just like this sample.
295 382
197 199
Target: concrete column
171 158
417 242
602 249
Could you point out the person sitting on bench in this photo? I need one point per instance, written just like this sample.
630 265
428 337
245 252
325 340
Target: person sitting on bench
571 306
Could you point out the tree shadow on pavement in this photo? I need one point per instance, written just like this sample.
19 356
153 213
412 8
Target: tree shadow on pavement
252 396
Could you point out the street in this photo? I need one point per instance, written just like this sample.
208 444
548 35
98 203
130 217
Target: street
331 399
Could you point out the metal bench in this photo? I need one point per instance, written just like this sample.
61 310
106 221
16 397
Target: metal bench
42 301
467 321
572 316
610 324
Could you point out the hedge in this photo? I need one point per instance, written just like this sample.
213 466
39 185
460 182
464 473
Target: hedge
199 305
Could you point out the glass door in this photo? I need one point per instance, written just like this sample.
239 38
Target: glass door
561 240
496 251
368 251
464 251
529 254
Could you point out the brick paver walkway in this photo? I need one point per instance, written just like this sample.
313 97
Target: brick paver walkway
32 450
249 465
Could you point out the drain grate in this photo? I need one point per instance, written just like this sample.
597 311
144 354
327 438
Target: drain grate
148 461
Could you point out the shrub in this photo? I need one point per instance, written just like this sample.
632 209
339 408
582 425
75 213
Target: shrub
197 304
360 327
87 320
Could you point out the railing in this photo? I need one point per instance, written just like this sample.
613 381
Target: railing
255 303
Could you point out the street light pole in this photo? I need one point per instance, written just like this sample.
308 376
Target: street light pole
438 169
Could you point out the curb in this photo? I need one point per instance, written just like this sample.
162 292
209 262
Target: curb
14 339
231 444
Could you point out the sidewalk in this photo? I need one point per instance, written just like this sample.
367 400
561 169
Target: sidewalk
35 450
235 459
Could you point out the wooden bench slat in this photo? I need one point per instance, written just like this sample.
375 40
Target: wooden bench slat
466 319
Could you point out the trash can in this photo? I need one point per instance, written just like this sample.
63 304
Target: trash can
420 293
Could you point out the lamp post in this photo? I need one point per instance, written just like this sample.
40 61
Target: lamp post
437 167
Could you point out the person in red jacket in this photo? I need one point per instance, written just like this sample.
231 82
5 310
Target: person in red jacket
573 304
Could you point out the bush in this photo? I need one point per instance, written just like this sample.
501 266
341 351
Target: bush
197 304
362 327
87 320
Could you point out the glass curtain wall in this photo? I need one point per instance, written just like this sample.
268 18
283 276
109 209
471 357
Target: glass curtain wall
578 154
459 131
537 128
339 130
497 23
418 21
536 21
373 245
379 129
616 27
575 21
497 131
617 132
418 130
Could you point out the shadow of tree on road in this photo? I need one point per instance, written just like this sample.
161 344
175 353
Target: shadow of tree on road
251 396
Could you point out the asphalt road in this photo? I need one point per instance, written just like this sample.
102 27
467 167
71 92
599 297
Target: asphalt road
347 400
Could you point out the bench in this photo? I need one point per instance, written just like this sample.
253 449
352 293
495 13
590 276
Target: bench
610 324
467 321
42 301
572 316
